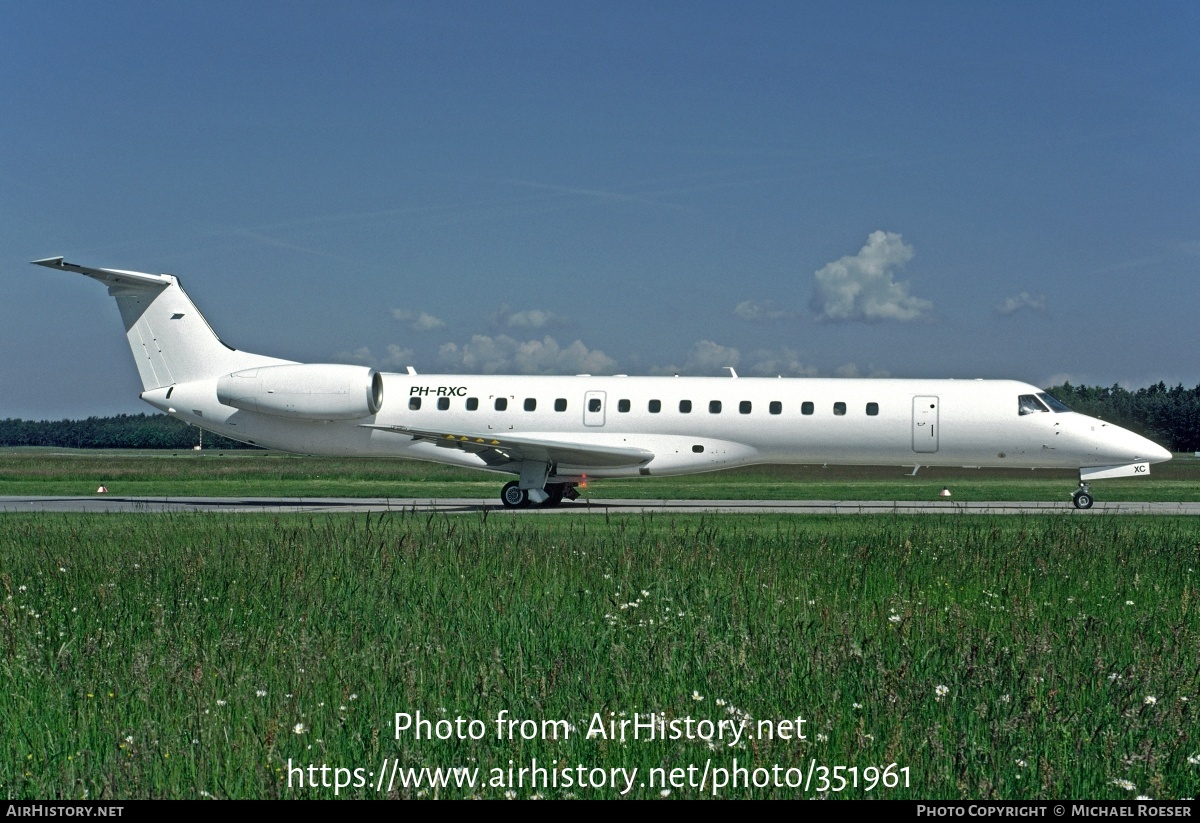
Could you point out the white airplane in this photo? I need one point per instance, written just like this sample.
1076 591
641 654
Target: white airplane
553 433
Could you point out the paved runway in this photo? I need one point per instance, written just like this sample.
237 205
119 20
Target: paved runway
108 503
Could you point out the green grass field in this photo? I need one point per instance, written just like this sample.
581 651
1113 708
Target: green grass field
196 655
267 474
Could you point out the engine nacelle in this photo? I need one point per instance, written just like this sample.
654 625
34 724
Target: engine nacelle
307 391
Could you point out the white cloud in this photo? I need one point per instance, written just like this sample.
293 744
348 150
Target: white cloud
755 310
396 357
852 370
418 321
861 286
532 319
1024 300
503 354
781 361
706 357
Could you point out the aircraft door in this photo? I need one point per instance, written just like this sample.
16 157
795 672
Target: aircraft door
593 408
925 424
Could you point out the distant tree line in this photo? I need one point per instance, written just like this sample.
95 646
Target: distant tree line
125 431
1168 416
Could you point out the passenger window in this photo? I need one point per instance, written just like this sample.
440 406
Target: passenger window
806 407
744 407
560 405
698 449
714 406
776 407
530 404
414 403
472 403
594 404
685 406
622 405
655 406
839 409
443 403
1028 404
872 409
501 403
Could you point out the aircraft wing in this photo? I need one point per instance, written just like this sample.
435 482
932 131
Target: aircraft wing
497 448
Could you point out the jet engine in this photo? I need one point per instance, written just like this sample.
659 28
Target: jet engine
306 391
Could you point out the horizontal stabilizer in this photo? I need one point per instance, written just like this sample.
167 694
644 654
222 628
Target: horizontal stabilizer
113 277
519 449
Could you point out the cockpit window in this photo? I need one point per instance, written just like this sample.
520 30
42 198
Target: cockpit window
1055 405
1028 404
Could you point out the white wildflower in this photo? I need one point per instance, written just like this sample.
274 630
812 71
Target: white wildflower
298 728
697 696
1150 700
1124 784
941 691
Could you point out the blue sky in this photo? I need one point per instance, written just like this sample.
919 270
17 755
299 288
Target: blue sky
910 189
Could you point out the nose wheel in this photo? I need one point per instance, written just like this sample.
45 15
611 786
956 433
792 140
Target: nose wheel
1082 498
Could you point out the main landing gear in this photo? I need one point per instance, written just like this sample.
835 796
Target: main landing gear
1082 498
515 497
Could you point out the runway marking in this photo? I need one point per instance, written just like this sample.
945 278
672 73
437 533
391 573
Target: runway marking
275 505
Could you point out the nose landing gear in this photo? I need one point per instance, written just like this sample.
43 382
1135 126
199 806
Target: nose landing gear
1082 498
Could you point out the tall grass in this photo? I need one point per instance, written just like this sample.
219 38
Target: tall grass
193 655
266 474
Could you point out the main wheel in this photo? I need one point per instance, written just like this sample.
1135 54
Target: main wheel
513 496
1082 500
556 492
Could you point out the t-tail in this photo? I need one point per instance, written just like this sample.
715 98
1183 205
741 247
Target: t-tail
171 341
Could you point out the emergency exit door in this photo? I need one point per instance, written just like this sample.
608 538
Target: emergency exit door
925 425
593 408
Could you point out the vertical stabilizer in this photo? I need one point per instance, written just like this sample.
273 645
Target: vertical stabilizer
171 341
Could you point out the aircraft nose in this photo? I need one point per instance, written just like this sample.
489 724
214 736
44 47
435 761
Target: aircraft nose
1145 450
1157 454
1115 445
